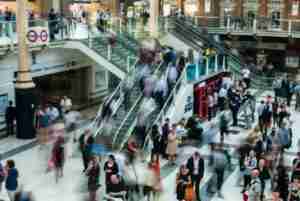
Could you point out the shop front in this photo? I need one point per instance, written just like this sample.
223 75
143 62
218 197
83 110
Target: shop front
201 91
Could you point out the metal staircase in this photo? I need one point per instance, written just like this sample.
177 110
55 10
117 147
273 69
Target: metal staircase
117 54
186 30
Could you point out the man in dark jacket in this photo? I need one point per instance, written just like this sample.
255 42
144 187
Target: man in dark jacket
195 165
234 106
164 138
10 115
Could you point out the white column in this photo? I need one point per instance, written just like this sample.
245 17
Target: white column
153 21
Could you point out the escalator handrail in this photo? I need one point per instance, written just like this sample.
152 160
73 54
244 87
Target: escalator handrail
118 89
140 99
166 104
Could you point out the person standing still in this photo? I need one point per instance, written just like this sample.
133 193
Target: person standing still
10 115
195 164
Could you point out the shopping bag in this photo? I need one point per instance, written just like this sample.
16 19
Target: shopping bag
190 193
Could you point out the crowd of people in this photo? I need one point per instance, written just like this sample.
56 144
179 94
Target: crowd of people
7 22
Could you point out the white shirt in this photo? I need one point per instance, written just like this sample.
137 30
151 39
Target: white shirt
260 109
196 166
222 93
173 74
246 73
210 101
216 98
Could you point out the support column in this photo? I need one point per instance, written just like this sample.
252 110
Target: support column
263 8
180 5
238 8
25 99
115 8
153 21
200 6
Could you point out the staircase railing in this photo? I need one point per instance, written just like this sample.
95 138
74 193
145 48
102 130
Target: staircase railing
118 96
234 62
170 100
139 100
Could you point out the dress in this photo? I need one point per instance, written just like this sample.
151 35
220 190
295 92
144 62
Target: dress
172 144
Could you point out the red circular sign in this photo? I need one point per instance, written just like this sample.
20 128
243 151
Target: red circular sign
44 36
32 36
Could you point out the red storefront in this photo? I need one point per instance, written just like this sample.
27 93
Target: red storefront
201 91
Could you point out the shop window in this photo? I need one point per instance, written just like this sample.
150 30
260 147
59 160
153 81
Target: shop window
292 61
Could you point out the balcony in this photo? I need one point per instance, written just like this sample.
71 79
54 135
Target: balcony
263 26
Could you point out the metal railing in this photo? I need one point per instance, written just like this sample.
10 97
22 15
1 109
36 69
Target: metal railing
117 94
264 26
234 62
129 113
171 99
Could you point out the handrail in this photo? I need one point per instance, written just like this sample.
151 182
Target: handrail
166 104
98 116
119 88
224 50
139 99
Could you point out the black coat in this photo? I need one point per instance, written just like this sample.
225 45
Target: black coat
190 166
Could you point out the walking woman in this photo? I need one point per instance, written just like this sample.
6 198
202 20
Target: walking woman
93 173
172 145
11 182
58 154
183 179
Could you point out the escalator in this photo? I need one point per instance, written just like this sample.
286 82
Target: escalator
124 119
195 37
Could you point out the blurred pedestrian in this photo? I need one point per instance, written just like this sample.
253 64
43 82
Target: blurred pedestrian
58 154
172 145
93 173
11 182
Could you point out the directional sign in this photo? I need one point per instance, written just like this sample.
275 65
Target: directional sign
38 36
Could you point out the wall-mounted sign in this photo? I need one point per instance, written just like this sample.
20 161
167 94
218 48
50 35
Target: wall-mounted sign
38 35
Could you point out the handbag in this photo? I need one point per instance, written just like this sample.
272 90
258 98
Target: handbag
190 193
